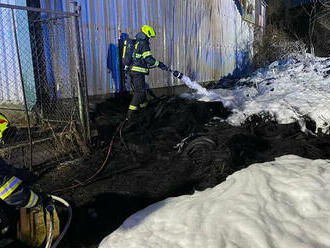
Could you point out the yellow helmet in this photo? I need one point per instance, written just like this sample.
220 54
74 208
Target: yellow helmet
4 123
148 31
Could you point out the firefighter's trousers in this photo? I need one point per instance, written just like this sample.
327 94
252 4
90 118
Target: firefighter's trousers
138 84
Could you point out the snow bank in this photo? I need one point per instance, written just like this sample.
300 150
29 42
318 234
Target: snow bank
279 204
289 90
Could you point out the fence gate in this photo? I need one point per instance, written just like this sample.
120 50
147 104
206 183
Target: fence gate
42 86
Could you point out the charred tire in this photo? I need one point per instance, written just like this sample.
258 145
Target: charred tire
199 151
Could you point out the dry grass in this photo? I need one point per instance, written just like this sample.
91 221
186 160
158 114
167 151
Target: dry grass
275 45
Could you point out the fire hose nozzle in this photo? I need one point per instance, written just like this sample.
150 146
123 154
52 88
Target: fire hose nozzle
177 74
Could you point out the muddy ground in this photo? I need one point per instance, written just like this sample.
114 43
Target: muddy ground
147 164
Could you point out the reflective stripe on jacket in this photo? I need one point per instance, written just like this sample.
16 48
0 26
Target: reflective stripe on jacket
142 57
12 189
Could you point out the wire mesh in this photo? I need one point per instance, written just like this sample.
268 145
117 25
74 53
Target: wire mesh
41 80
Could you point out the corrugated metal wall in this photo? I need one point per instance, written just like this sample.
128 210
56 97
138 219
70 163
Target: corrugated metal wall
205 39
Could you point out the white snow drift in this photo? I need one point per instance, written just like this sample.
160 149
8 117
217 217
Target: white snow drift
288 90
279 204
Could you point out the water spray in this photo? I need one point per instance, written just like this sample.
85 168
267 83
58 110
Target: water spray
191 84
201 91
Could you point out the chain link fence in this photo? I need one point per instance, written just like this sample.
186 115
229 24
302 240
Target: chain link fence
42 86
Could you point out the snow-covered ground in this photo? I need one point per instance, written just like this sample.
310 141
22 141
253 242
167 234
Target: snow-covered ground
288 90
279 204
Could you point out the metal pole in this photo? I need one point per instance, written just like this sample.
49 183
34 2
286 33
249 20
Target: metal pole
23 87
82 92
83 73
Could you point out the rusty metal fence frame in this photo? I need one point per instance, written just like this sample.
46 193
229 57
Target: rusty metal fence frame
44 57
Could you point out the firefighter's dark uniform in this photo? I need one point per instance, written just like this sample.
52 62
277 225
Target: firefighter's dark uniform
142 62
13 191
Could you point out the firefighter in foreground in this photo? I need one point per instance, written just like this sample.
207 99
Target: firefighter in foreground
12 189
16 193
139 67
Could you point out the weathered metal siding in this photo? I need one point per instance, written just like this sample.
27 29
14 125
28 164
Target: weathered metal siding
206 40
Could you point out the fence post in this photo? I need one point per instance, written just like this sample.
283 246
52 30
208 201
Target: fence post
23 86
83 67
82 88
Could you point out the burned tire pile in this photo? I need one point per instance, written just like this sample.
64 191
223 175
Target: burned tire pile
173 147
185 142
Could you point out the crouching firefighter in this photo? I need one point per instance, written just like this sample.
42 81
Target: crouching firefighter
138 59
16 194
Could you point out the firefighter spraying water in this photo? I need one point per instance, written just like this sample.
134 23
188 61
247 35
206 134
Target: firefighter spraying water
138 60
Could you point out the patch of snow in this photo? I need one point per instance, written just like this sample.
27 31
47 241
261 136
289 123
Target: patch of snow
278 204
289 90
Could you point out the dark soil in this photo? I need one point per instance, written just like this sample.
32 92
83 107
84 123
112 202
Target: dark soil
147 165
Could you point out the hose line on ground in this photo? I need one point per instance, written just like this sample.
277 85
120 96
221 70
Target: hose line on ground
51 226
89 180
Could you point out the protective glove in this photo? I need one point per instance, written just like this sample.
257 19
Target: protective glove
163 66
177 74
45 200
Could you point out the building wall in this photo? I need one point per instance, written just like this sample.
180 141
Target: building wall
206 40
